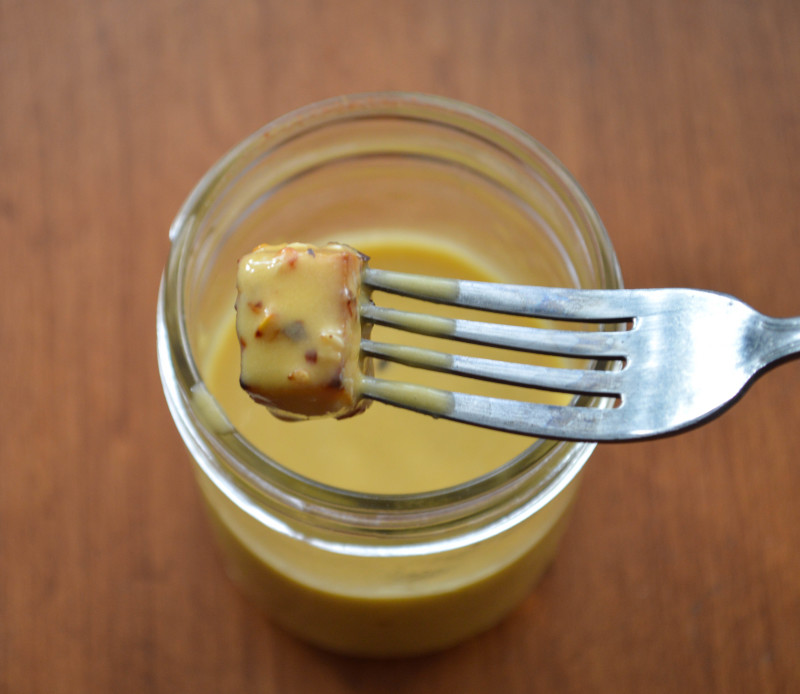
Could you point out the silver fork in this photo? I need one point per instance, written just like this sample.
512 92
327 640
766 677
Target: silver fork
661 360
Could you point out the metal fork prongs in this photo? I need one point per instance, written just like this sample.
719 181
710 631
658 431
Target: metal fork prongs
655 361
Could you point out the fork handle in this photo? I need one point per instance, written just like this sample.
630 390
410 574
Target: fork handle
779 339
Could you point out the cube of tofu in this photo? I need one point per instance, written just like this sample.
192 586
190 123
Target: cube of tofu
299 329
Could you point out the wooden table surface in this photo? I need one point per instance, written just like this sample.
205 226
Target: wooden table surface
681 569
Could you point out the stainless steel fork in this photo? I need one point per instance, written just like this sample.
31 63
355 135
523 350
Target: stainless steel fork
660 360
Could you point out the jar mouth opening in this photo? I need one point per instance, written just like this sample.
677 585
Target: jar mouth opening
205 429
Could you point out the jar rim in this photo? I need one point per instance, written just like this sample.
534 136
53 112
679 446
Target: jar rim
294 493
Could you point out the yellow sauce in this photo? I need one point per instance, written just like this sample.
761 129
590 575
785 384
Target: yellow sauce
298 327
381 605
419 614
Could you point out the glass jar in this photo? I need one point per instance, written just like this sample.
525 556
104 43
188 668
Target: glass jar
372 573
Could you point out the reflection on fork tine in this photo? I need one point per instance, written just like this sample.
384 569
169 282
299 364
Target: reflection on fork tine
572 343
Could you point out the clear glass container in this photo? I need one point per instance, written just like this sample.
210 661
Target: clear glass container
376 574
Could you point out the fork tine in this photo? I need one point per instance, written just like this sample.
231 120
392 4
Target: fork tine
582 305
534 419
582 381
568 343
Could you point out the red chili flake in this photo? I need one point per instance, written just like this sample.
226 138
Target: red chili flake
255 306
311 356
242 343
290 256
267 327
350 302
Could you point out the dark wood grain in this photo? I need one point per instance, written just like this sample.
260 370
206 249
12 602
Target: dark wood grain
680 572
